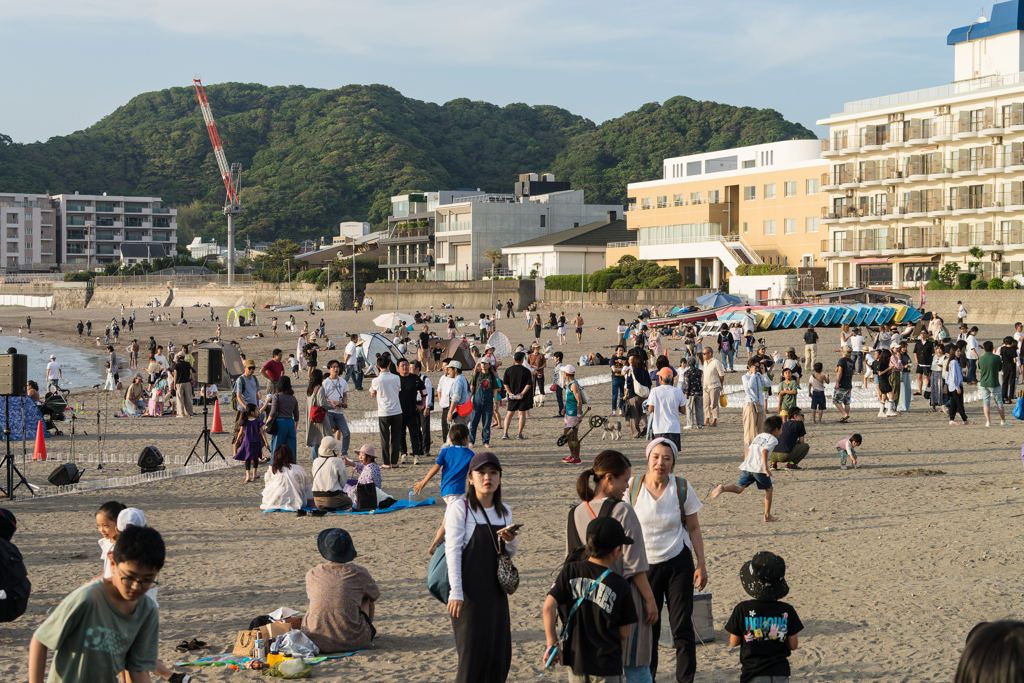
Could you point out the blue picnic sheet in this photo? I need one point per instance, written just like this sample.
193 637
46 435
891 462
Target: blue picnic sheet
399 505
226 659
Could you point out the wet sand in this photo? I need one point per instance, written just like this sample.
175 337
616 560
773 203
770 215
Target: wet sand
888 573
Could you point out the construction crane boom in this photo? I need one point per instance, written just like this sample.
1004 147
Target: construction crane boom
218 147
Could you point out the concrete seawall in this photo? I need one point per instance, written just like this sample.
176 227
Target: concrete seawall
984 306
464 295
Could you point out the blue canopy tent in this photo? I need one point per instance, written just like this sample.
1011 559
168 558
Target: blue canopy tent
716 299
23 412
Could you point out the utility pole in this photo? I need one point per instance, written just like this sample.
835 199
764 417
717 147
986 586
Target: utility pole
328 285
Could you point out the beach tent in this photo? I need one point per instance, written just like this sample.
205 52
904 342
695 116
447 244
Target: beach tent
455 349
502 346
374 345
235 313
232 358
25 416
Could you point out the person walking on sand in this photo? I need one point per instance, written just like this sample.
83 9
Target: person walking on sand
578 323
273 325
955 388
755 468
989 366
713 375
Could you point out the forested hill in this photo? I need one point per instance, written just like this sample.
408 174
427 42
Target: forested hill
312 158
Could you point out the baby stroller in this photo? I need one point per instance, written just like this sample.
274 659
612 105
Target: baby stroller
52 409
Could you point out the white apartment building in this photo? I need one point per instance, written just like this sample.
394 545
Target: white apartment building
93 227
919 178
29 229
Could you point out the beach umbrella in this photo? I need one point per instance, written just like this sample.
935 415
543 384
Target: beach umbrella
389 320
716 299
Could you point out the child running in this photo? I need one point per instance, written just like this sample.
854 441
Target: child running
453 464
755 468
595 605
294 365
249 441
846 449
816 388
764 628
112 612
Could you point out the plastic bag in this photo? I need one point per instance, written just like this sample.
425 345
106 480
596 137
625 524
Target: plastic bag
276 671
297 643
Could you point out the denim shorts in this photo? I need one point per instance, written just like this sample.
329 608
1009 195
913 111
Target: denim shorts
989 394
747 478
817 400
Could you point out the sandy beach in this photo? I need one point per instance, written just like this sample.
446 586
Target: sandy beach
889 569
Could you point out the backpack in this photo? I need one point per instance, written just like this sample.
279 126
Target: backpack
584 360
577 547
634 492
14 581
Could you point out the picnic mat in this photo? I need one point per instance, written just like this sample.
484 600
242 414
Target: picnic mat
399 505
235 660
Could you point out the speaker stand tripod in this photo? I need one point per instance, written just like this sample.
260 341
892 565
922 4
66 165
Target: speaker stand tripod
9 459
204 437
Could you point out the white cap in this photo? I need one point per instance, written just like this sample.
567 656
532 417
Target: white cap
130 517
569 369
53 357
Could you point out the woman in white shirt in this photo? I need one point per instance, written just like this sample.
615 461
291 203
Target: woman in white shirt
668 540
475 531
286 486
330 476
938 384
844 337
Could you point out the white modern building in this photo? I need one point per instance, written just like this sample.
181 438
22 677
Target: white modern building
199 249
919 178
29 230
91 228
568 252
351 230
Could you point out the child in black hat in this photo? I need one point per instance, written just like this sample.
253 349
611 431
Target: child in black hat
764 628
595 606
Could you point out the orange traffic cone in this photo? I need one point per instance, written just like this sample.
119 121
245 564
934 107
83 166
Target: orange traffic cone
217 427
40 451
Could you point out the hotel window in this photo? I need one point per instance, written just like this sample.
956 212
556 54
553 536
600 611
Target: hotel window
749 193
695 197
769 190
662 201
645 203
750 163
790 188
811 186
713 196
677 200
790 226
769 227
811 223
543 220
744 226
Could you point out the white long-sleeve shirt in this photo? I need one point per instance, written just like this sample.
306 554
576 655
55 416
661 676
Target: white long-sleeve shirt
289 489
459 528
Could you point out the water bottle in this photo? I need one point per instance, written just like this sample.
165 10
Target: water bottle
412 498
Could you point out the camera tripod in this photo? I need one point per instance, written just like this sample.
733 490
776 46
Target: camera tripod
204 436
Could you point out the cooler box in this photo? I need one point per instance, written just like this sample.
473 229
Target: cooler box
703 621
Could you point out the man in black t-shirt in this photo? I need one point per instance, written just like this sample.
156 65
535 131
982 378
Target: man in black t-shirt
424 353
765 628
1008 354
597 628
924 352
844 384
410 398
791 448
182 373
810 347
519 385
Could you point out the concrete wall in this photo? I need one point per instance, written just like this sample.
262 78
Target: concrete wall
464 295
627 298
71 295
999 307
113 297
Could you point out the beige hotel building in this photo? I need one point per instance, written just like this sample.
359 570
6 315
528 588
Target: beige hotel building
915 180
713 212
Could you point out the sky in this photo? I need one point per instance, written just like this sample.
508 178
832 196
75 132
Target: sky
69 63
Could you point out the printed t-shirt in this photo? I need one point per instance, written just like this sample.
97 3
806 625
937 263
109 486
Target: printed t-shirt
791 433
454 464
989 366
666 400
593 645
92 640
764 627
335 390
754 462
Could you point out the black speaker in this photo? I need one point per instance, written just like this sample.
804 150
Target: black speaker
13 374
65 475
209 365
150 460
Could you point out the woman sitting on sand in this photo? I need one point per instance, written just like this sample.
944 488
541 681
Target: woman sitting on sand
341 596
330 477
32 390
287 486
135 397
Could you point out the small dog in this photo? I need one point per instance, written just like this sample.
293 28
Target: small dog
612 430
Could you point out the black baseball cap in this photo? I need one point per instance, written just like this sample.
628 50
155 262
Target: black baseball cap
484 458
607 532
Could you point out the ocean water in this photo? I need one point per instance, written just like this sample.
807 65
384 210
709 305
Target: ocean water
81 370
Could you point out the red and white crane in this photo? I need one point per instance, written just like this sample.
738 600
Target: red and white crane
231 175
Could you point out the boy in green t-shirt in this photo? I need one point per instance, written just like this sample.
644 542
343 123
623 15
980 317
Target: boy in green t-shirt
106 627
788 389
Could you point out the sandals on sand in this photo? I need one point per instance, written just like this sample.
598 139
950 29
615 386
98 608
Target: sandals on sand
186 645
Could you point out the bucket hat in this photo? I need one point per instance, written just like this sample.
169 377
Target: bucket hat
764 577
336 545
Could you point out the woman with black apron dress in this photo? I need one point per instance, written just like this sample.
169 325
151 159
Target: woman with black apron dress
474 533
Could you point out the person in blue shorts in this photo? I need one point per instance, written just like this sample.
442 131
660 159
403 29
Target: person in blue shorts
755 468
453 464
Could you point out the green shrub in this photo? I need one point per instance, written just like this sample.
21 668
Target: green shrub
979 284
692 286
764 269
963 280
996 283
936 284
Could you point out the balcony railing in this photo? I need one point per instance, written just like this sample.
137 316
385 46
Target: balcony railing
398 233
974 201
133 209
968 86
452 275
158 209
453 226
404 260
620 245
